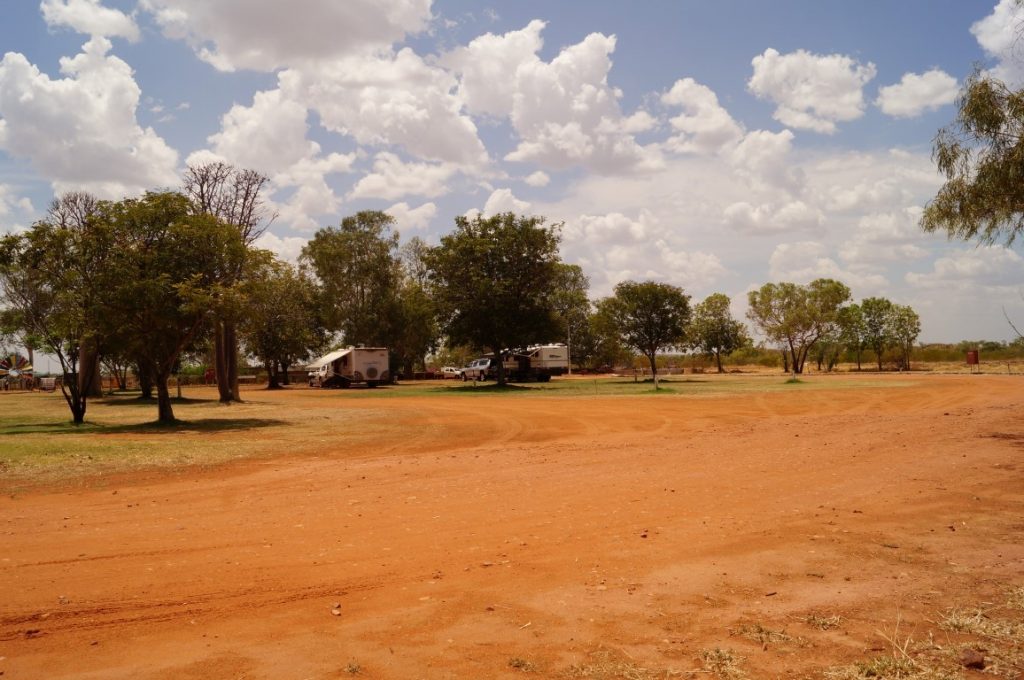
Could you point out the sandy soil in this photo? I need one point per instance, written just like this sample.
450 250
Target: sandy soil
546 532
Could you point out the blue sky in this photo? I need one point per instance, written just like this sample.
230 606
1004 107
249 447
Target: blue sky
715 146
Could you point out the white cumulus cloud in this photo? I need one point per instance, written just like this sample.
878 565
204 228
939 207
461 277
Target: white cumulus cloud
704 126
89 17
564 111
392 99
537 179
417 219
269 34
804 261
288 248
811 91
392 179
999 35
80 131
917 93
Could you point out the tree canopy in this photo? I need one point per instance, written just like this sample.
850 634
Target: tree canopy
981 155
714 331
796 316
357 266
649 317
493 280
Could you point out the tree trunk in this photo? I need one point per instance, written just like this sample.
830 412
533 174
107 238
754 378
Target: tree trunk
77 401
165 414
220 364
145 381
785 362
90 383
718 361
859 352
654 368
878 353
283 372
231 352
272 382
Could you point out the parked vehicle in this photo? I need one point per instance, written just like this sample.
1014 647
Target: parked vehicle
477 370
352 365
450 372
539 363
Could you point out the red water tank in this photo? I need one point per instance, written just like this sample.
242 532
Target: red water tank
972 357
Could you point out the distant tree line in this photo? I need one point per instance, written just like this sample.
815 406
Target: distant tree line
148 284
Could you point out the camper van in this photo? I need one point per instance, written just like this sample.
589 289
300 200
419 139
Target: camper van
350 366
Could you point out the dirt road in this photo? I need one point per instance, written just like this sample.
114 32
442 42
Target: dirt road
491 536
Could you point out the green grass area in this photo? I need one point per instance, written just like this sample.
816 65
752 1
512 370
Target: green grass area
41 445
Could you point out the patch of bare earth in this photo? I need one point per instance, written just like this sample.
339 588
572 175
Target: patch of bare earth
760 535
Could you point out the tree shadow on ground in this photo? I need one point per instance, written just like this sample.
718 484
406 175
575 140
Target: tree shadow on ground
202 425
136 400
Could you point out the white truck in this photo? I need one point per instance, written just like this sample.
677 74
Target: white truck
538 362
349 366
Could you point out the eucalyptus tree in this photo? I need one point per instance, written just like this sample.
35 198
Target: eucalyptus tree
172 268
235 197
649 317
877 325
493 280
797 316
714 331
980 154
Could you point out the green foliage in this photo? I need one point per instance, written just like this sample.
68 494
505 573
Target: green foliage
852 330
281 325
648 316
54 278
572 305
714 331
359 275
904 327
493 280
797 316
981 155
171 267
877 314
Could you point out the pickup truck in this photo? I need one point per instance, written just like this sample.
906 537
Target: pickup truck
477 370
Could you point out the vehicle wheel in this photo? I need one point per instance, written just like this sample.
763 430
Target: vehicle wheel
464 377
371 383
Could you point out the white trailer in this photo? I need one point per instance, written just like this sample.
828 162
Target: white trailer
352 365
538 362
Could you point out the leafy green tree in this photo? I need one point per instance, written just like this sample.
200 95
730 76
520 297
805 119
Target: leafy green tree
649 317
797 316
852 332
877 325
172 265
416 329
356 264
981 155
714 331
571 303
235 196
55 280
904 327
281 325
493 280
597 343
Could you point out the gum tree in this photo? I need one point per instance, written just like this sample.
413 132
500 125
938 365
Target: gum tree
493 279
649 317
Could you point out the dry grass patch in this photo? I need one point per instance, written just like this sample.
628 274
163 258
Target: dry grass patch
722 663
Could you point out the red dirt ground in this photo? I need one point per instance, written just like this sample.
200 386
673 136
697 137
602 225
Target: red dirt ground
564 530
